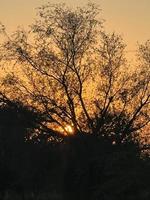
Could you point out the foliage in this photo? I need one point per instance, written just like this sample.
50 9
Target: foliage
67 71
82 166
67 67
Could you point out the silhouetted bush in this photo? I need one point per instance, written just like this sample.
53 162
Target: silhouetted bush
81 166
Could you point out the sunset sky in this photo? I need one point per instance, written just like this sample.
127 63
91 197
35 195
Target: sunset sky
130 18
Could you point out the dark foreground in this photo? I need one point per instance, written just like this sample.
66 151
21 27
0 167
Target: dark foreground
82 167
79 167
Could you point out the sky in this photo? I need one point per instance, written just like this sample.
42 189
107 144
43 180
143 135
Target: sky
130 18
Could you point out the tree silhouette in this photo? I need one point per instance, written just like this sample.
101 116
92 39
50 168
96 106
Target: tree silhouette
25 163
66 71
75 73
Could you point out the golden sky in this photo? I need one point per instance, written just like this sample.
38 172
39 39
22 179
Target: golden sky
130 18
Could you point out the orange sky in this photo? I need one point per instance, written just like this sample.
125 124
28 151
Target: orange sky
130 18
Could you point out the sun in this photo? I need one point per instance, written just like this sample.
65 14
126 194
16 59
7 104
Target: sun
69 129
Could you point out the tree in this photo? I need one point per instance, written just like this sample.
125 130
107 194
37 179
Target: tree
69 69
16 121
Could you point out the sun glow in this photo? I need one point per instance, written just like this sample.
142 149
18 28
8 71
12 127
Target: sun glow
69 129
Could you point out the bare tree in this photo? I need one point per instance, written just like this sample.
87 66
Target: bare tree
123 90
67 67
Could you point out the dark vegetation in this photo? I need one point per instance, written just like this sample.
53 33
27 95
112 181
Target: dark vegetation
47 87
76 167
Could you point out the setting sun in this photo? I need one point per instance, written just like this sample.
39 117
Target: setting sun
69 129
